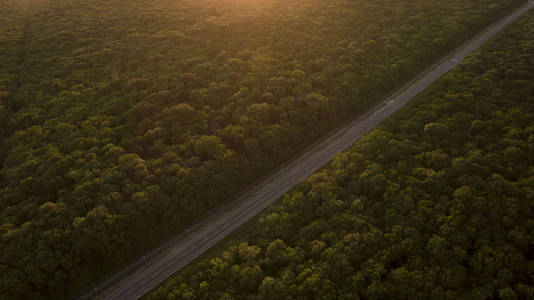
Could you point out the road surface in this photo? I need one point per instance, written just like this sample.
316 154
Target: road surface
150 270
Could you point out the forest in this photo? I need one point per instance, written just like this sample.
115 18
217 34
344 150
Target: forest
121 122
437 203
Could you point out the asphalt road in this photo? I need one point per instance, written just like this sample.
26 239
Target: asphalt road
150 270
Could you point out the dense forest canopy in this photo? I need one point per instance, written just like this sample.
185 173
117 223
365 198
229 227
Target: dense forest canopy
438 203
122 121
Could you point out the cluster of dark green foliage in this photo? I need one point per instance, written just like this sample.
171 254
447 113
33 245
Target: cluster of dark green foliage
438 203
11 31
121 121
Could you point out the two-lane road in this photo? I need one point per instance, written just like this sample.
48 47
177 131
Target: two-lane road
150 270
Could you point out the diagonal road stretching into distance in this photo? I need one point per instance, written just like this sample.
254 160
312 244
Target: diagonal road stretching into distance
150 270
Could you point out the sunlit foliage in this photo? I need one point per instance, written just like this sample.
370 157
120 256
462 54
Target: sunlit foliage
122 121
438 203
